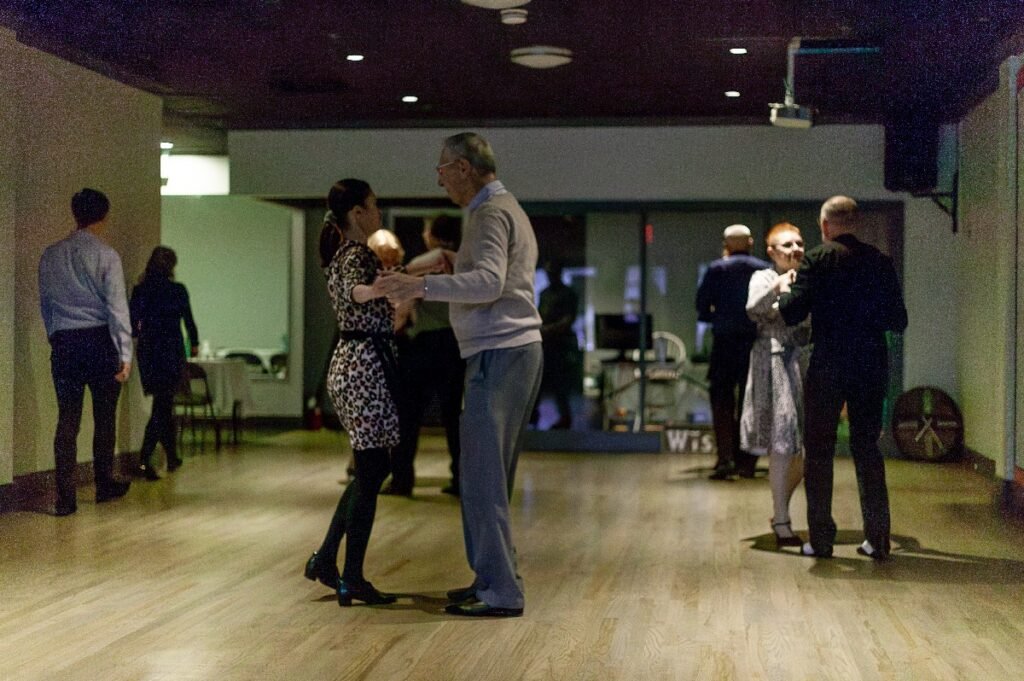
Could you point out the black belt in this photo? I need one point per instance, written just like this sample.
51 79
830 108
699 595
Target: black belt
381 342
365 335
85 333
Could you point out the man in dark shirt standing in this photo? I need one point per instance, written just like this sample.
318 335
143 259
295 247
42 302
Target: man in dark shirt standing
851 291
722 301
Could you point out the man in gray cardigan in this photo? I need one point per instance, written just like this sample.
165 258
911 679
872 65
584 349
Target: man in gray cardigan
498 329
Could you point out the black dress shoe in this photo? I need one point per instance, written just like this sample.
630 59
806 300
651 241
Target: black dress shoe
114 489
722 473
810 552
393 490
325 574
173 464
873 554
481 609
462 595
362 591
63 509
148 472
790 539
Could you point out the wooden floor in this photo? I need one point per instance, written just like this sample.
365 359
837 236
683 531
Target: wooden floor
636 567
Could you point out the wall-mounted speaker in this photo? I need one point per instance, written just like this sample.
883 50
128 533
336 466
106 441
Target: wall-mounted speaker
911 153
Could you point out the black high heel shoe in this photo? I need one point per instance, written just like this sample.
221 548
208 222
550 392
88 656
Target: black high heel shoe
792 540
323 574
362 591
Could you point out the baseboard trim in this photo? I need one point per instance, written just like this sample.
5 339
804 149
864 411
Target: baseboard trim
1011 496
34 491
273 422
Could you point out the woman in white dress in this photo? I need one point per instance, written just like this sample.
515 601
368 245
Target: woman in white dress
772 419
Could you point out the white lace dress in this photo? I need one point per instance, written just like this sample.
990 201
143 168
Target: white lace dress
772 419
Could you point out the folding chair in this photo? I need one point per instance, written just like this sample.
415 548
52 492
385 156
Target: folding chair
195 403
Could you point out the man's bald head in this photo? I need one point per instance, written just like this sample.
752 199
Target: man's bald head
839 215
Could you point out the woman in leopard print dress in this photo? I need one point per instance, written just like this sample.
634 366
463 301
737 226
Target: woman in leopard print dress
361 384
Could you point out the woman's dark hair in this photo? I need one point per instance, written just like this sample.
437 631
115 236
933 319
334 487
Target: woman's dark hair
448 230
161 264
89 207
343 197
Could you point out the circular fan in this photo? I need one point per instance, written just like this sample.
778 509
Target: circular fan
927 425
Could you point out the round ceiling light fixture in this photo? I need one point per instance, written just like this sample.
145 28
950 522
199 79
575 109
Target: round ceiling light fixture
541 56
513 17
495 4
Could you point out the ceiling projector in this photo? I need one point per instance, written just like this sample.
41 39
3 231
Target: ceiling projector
789 115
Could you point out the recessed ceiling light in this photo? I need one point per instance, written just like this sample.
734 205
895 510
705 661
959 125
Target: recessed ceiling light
541 56
166 145
732 93
495 4
737 50
513 17
410 99
354 57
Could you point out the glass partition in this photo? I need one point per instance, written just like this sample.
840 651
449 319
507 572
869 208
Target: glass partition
649 259
612 263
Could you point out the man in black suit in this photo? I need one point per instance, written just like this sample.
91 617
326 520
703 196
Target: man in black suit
722 300
852 293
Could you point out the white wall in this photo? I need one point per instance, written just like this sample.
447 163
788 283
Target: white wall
64 128
930 290
696 163
190 175
8 197
237 257
983 274
234 256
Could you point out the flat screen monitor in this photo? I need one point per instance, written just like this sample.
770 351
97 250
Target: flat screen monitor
621 332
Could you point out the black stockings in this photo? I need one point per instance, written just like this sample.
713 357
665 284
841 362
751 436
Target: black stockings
160 428
355 512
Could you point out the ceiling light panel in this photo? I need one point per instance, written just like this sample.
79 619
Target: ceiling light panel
541 56
513 17
496 4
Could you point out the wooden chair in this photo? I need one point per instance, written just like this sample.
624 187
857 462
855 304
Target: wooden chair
195 403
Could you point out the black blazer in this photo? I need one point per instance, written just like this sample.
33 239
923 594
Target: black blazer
851 291
722 295
158 306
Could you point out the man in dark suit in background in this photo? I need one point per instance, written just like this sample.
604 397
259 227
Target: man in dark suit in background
852 293
722 301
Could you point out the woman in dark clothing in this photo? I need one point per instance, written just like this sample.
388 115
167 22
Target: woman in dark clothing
158 307
361 381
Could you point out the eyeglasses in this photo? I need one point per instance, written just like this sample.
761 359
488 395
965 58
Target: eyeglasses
438 168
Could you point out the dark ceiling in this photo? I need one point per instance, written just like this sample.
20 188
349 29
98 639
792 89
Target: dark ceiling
243 64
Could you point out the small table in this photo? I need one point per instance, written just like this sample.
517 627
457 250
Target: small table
229 389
